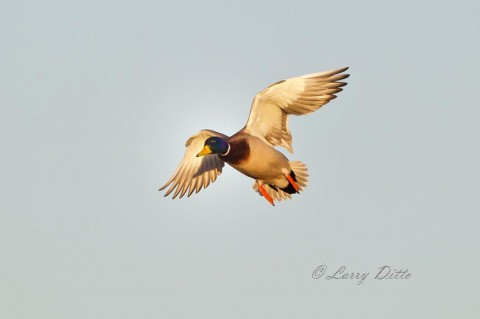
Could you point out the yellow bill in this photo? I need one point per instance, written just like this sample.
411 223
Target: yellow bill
205 151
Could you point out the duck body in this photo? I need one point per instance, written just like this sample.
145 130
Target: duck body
251 156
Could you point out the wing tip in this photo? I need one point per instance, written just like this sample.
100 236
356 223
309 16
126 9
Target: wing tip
329 73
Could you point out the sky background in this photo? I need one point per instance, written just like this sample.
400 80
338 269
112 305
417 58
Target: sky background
98 98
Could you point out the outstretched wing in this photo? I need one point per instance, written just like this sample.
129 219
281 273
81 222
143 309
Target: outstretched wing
194 173
268 119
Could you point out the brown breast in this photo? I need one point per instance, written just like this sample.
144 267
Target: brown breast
239 152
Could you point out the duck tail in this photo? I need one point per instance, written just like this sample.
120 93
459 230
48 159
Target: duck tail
299 173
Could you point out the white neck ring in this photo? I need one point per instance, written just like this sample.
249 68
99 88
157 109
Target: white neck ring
228 150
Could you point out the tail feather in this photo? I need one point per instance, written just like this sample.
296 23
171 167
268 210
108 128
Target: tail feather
299 174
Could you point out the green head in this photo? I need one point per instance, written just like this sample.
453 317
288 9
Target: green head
214 145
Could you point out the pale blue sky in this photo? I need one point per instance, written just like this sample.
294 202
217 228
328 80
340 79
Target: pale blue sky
98 97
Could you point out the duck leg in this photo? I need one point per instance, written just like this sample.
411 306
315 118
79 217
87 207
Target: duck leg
294 184
265 193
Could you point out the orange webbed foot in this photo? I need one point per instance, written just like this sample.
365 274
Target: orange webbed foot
265 194
294 184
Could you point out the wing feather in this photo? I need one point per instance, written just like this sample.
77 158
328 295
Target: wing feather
194 173
268 119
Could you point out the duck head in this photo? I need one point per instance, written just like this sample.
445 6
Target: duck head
215 145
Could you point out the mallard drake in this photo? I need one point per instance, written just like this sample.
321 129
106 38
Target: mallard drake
251 150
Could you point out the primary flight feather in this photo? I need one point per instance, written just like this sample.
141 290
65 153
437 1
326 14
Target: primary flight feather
251 150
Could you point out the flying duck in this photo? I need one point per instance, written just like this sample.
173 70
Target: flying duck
251 150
